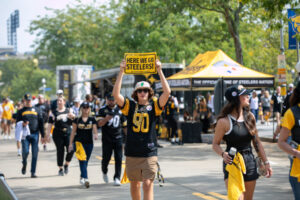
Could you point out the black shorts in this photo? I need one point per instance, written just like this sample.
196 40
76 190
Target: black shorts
251 169
266 109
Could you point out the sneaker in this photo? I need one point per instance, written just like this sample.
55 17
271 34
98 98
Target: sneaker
33 175
24 169
9 137
19 152
66 169
5 137
86 183
60 172
105 178
117 182
82 182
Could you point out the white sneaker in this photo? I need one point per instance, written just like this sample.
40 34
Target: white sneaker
86 183
82 182
19 152
105 178
117 182
9 137
5 137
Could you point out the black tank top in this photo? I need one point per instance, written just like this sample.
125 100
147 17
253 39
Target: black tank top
238 136
296 129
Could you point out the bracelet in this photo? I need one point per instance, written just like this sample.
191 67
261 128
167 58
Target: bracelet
222 154
266 162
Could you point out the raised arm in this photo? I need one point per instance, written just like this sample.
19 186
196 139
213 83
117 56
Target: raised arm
165 86
117 87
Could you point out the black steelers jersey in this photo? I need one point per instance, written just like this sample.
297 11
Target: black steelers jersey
141 138
60 120
112 130
84 132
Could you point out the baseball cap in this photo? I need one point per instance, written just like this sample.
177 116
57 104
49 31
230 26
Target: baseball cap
109 97
291 85
142 84
59 92
27 96
76 99
85 105
232 93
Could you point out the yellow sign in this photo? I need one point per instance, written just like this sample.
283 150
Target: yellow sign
140 63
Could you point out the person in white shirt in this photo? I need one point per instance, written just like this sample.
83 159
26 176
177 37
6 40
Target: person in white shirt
254 104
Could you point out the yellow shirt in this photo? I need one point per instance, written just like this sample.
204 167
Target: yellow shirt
8 110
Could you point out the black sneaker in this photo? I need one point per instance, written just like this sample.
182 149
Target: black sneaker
24 169
60 172
66 169
33 176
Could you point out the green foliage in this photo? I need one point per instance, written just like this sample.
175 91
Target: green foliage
21 76
177 30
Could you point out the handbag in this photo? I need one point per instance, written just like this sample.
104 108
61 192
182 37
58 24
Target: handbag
261 168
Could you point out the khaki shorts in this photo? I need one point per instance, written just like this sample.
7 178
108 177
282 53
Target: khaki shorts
139 168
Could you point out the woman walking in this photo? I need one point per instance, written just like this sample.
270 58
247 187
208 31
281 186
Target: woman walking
62 120
141 140
236 125
291 124
84 127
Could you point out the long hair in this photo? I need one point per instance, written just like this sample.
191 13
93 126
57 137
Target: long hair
135 96
249 120
295 98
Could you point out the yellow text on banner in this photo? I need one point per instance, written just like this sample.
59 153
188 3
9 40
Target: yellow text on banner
140 63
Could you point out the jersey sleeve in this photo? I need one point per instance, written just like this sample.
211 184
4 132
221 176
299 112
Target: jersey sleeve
288 120
94 120
158 110
125 108
51 119
101 114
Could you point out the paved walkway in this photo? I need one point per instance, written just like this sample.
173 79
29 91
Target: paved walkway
191 171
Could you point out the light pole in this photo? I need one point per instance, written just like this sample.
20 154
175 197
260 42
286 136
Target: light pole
44 85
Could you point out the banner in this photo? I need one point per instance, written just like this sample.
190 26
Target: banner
294 27
281 71
140 63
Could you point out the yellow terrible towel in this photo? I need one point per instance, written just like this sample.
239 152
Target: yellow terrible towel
295 171
125 178
236 185
80 152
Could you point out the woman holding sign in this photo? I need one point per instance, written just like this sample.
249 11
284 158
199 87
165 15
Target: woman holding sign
141 141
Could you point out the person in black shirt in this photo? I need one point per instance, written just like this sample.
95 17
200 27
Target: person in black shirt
62 120
84 127
286 103
141 138
111 120
171 112
237 126
31 116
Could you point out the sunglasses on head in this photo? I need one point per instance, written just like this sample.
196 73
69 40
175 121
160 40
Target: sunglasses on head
142 90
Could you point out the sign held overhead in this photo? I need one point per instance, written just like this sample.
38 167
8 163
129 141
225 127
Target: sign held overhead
140 63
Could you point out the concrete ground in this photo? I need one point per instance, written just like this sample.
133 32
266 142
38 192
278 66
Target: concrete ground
191 171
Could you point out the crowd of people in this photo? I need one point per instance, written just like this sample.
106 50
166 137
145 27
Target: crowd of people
73 127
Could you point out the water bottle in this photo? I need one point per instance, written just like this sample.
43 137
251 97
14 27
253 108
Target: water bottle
232 152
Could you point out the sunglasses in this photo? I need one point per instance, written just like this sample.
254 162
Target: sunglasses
85 107
142 90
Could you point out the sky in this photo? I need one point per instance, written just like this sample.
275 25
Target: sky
29 10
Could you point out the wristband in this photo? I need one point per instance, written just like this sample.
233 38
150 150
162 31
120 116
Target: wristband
266 162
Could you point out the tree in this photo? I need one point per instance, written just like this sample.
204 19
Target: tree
21 76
